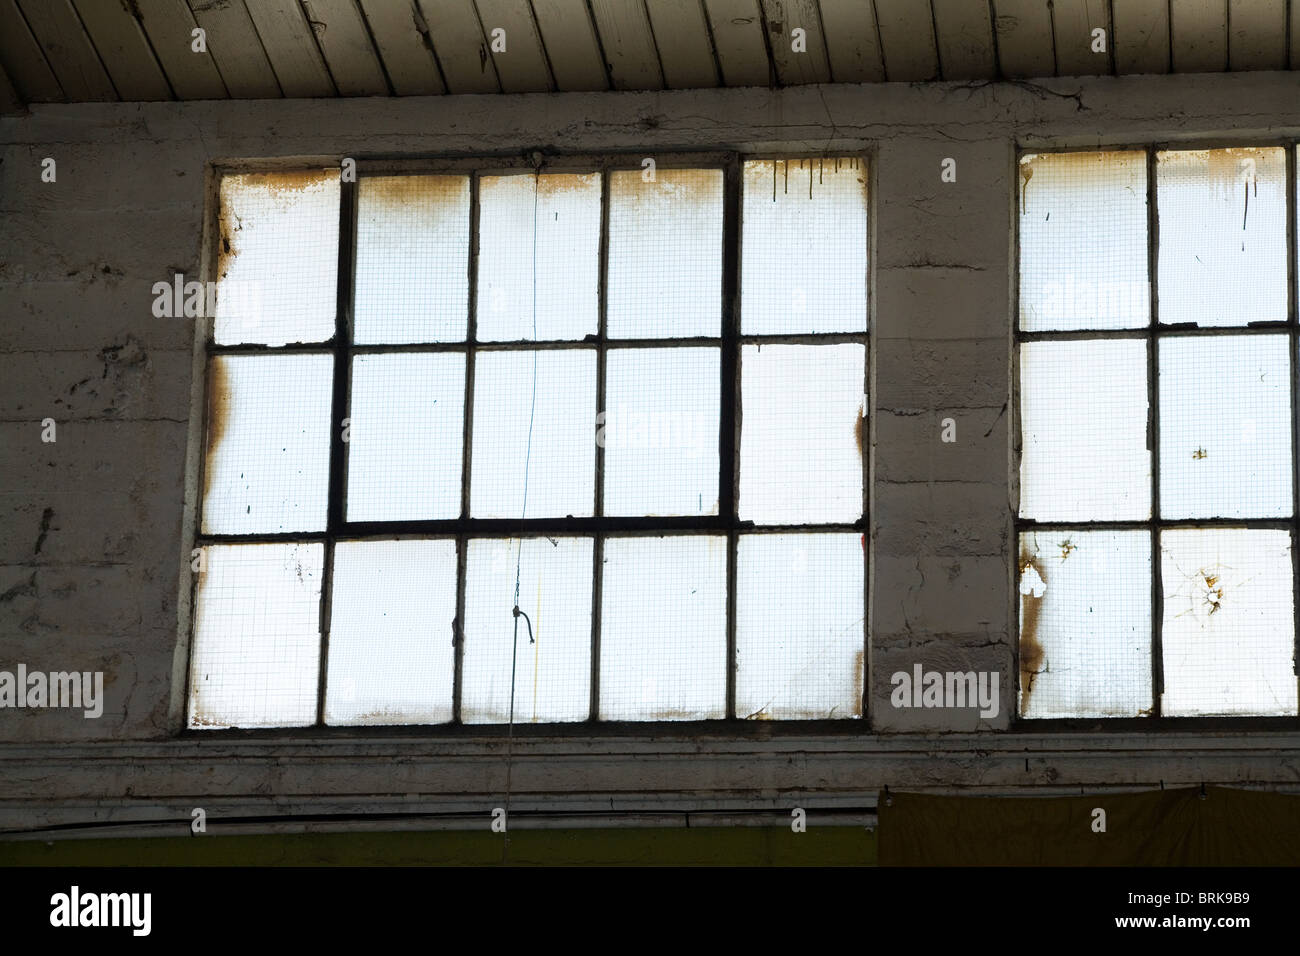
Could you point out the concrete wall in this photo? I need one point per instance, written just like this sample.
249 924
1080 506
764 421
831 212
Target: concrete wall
93 546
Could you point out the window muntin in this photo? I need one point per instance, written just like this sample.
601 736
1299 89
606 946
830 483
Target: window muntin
629 362
1157 453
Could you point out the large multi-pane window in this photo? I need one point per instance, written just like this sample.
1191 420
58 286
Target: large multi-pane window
1157 382
492 443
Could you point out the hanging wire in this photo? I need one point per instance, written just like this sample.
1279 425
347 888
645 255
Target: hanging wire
528 456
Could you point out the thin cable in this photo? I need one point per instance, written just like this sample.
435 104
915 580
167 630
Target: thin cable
528 456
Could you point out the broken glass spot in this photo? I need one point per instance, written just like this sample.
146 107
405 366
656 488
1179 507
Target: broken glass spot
1228 632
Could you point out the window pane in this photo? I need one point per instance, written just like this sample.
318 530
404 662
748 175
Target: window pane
268 443
1222 235
391 655
256 647
407 426
1225 427
1083 241
1228 630
553 670
559 461
1085 623
799 633
801 435
660 431
562 264
804 251
278 261
1083 424
663 641
412 276
665 254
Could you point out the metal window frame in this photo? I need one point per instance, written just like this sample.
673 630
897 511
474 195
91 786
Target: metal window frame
1152 333
598 527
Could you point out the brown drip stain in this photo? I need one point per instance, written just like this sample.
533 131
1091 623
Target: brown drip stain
1031 651
404 192
859 677
218 407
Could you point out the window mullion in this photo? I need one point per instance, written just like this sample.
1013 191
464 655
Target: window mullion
467 445
728 409
339 410
1153 432
1293 319
598 541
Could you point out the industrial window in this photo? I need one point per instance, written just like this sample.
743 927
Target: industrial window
515 443
1157 407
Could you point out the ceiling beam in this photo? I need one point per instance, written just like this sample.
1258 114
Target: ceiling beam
10 101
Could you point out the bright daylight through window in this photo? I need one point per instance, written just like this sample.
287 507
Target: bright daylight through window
1157 383
582 442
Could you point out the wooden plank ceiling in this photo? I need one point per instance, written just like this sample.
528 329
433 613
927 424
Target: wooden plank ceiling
58 51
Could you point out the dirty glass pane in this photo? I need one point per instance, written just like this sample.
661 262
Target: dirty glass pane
665 253
1225 427
1083 421
278 254
804 247
1085 623
1228 629
1083 241
391 655
1222 235
406 428
553 392
799 633
553 670
256 649
561 263
663 642
660 431
268 443
802 433
412 278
